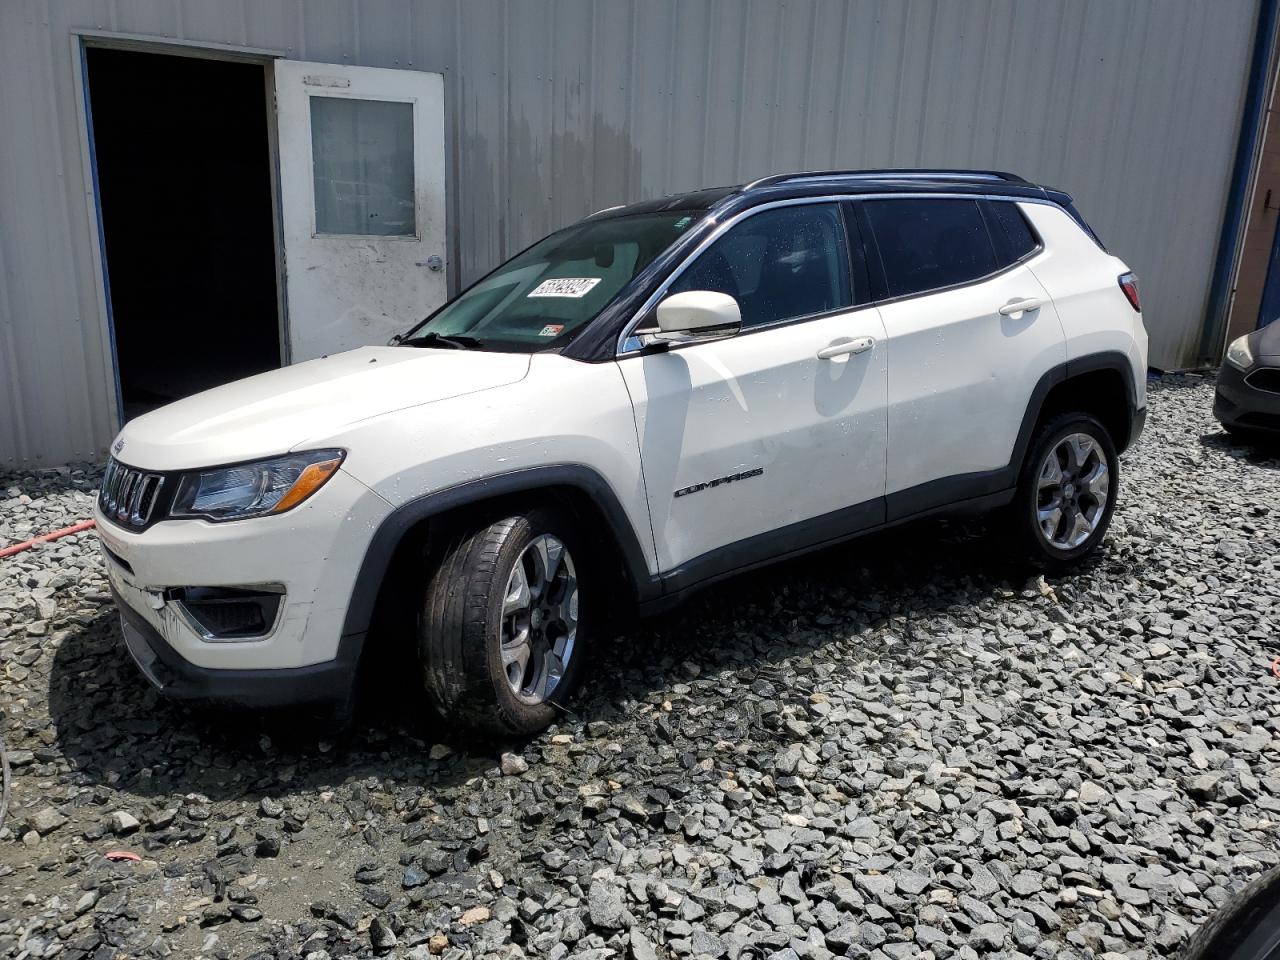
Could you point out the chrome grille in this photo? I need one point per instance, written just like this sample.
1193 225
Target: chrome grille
129 496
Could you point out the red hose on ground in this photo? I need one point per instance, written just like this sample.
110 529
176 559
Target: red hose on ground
80 527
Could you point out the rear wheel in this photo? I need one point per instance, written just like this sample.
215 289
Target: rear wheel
1067 490
501 629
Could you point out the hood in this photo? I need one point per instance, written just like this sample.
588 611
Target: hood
1267 343
277 411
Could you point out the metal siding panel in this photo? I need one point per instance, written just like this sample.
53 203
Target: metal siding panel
329 31
479 95
199 18
13 426
385 31
653 23
687 111
794 109
50 368
566 67
22 250
853 132
752 97
556 108
609 143
530 150
271 26
825 78
158 17
723 110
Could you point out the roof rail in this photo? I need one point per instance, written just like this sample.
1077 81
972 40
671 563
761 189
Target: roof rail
891 173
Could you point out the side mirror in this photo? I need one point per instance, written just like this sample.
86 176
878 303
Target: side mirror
696 315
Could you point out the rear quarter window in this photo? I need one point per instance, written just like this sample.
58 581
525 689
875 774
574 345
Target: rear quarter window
927 244
1010 231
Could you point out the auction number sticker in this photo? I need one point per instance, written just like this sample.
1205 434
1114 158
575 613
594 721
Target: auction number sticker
564 287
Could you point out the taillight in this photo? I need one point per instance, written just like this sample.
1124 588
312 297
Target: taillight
1129 284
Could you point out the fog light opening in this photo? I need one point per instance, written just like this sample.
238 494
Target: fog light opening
229 613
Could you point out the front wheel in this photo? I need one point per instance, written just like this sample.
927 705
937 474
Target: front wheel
1067 490
501 629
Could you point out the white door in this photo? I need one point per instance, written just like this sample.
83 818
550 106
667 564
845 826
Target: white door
775 438
362 191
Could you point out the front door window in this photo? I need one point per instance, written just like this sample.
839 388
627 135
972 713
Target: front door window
780 264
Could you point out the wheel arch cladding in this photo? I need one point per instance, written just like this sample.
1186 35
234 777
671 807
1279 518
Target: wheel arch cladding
579 488
1099 384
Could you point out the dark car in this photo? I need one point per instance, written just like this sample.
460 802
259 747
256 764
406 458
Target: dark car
1248 399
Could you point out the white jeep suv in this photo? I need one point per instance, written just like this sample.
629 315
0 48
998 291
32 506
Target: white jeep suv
647 401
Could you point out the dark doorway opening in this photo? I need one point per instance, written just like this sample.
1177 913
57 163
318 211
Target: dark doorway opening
184 185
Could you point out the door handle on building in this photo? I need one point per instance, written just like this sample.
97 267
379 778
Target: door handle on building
860 345
1023 305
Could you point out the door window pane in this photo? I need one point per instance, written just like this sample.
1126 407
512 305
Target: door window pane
926 244
362 154
779 265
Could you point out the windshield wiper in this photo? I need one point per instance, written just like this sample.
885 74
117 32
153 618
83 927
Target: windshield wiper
454 342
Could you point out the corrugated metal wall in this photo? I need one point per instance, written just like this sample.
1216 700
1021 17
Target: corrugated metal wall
560 108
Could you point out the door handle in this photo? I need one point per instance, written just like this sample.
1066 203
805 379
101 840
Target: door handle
1023 305
860 345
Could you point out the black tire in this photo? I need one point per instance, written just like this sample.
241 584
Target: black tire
1026 526
1246 928
460 626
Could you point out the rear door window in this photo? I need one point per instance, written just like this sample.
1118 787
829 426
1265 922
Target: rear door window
928 243
780 264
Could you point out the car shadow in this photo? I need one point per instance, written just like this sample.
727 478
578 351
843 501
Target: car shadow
1260 450
797 607
113 729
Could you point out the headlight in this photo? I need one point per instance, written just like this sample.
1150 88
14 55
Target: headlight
1239 353
254 489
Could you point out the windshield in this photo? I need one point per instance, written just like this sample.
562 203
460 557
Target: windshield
544 296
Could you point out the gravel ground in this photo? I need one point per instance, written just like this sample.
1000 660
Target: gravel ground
900 748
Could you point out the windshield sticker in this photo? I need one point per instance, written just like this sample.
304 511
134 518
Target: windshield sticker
575 287
551 330
682 223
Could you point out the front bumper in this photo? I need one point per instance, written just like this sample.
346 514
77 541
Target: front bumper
180 679
311 555
1243 406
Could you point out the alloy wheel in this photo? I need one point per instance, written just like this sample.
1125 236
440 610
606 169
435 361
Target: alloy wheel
539 619
1072 489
